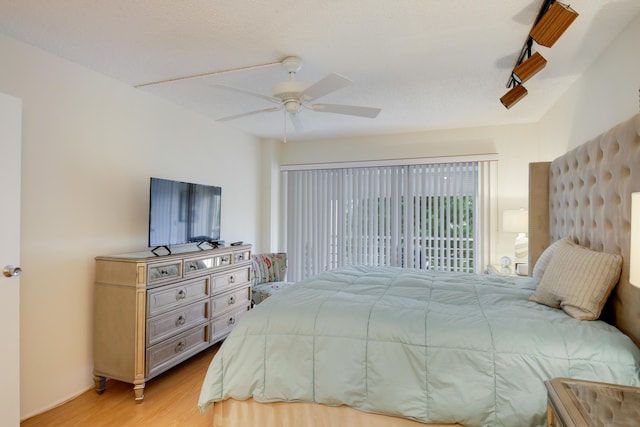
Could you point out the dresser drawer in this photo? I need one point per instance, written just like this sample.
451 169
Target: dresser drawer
243 256
222 325
199 266
230 300
174 350
158 273
176 321
166 298
224 281
223 259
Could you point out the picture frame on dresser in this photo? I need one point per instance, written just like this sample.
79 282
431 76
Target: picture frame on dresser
153 312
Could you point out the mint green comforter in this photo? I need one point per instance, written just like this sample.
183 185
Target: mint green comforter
429 346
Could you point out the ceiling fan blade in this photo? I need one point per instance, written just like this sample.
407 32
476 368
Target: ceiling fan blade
325 86
352 110
298 122
246 92
250 113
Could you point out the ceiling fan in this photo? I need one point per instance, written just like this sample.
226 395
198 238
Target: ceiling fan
292 96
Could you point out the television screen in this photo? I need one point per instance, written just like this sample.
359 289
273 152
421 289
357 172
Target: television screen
182 212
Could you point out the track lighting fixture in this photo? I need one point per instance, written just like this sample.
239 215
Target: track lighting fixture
553 24
513 96
552 21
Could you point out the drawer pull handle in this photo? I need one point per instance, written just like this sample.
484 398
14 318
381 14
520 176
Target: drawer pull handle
231 300
181 294
180 320
181 346
232 279
164 272
231 321
192 266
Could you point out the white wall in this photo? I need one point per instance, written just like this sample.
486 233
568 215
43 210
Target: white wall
270 201
605 95
90 145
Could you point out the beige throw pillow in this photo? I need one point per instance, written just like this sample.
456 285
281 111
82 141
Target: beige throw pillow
578 280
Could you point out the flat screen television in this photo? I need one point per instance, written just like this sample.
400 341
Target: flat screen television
183 212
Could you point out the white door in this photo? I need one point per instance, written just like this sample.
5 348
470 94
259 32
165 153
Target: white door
10 158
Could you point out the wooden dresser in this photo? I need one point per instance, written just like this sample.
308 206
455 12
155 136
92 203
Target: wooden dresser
153 312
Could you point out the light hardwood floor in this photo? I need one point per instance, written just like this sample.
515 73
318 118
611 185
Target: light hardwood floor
171 399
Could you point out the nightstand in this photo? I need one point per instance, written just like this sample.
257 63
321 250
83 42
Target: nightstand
578 403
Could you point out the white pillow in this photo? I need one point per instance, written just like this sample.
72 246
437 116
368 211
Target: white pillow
543 262
578 280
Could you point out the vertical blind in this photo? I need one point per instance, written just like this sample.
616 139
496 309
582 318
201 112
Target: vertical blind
428 216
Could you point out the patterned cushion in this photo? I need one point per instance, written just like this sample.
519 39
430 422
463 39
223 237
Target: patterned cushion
263 291
268 267
269 272
578 280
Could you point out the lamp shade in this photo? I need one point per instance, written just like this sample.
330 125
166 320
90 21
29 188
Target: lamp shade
634 256
553 24
515 221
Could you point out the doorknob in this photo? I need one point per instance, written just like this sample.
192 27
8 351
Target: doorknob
11 271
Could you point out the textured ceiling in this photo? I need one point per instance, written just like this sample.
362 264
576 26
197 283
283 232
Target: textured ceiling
429 64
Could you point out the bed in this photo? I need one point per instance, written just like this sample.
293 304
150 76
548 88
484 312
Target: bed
400 347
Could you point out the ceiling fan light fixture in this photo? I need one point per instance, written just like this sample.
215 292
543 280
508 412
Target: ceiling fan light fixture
513 96
529 68
292 106
553 24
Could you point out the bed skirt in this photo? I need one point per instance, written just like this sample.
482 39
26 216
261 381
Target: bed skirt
242 413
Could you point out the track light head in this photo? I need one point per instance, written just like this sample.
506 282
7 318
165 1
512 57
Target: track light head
553 24
513 96
529 68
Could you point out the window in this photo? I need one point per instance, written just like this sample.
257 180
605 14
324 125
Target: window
427 216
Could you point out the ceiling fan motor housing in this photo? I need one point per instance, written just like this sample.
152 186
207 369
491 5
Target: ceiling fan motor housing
290 90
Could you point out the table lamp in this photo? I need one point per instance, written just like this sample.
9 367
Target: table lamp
517 221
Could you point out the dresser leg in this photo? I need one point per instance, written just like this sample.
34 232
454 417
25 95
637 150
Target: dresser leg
138 389
100 383
551 419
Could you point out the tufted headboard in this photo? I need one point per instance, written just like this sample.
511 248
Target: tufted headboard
586 194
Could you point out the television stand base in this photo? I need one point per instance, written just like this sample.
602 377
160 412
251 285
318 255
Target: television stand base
214 244
153 251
